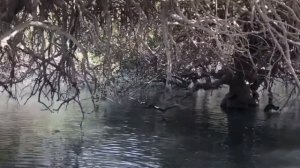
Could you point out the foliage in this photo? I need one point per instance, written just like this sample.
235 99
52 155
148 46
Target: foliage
123 44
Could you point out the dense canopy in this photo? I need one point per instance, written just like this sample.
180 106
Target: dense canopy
113 46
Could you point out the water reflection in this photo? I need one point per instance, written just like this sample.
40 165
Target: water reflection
196 134
240 138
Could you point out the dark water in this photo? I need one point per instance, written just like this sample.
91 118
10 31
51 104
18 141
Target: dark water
197 134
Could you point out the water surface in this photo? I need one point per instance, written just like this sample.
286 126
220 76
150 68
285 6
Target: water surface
127 135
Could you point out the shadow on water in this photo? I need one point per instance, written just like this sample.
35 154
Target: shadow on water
240 138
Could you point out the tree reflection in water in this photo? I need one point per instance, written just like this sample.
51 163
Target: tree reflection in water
240 138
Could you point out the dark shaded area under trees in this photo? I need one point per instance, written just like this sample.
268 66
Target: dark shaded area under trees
114 46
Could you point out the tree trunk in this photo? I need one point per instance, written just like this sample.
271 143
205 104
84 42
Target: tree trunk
240 95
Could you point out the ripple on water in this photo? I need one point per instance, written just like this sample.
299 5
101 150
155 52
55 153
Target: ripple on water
205 137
